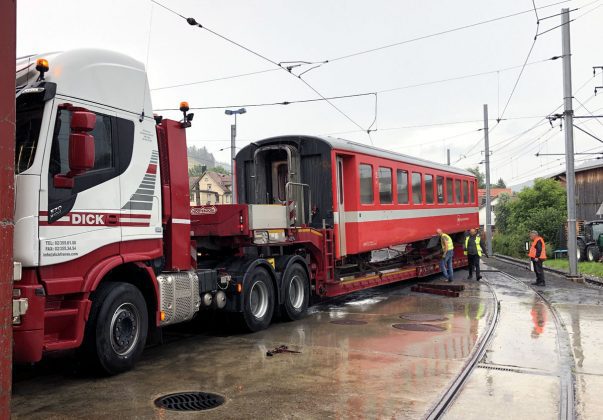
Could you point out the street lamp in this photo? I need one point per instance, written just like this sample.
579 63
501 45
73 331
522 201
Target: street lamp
233 136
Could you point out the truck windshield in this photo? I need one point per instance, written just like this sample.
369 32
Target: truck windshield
30 109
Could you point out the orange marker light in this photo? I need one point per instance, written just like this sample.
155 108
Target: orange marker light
162 316
239 288
42 64
184 106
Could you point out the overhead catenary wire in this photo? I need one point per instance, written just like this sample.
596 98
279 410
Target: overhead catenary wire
217 79
191 21
440 33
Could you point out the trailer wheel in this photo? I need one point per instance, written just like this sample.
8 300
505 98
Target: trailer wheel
258 301
592 253
116 330
296 291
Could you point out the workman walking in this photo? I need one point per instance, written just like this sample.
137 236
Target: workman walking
473 251
537 254
447 252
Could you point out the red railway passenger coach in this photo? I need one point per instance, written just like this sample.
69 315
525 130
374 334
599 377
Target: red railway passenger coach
374 199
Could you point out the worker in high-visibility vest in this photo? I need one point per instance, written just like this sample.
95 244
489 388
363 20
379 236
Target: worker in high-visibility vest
537 254
447 253
473 251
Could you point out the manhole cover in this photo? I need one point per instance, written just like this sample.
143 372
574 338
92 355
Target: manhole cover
424 317
189 401
348 322
418 327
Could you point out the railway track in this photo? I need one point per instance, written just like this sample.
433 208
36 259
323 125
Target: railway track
523 263
567 364
449 395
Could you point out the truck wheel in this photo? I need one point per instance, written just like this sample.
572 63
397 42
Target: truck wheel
296 287
258 301
581 251
116 330
592 253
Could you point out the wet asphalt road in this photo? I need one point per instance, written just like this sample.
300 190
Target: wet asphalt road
365 370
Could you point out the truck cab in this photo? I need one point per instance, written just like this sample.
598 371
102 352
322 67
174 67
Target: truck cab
88 202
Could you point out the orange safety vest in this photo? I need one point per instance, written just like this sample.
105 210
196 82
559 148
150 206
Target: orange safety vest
532 253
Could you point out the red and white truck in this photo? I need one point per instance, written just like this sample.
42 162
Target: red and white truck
108 249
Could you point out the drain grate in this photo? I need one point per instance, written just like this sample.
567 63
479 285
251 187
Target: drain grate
189 401
418 317
418 327
348 322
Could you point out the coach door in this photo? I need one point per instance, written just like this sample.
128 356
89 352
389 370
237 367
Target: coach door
340 208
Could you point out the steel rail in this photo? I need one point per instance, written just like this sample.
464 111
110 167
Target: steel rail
566 376
446 399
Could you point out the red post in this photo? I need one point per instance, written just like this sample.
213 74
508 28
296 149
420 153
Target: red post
8 43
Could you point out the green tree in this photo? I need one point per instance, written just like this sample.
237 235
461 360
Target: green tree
479 175
219 170
500 183
541 207
502 211
196 170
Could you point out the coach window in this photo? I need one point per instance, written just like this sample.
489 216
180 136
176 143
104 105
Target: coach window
366 184
402 180
472 191
429 188
417 194
449 190
385 185
440 188
466 191
457 190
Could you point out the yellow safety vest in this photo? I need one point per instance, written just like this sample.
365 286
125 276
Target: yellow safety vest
477 245
447 244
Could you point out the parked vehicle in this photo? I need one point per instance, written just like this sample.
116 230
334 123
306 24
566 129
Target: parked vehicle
590 241
108 249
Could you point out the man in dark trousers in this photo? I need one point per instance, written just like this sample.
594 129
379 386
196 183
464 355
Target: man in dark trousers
473 251
537 254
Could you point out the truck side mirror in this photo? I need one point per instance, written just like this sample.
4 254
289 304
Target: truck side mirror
81 148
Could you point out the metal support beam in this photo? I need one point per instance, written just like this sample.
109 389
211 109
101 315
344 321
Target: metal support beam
487 162
568 114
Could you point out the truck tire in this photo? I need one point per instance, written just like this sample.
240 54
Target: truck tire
296 293
581 250
116 330
593 253
258 301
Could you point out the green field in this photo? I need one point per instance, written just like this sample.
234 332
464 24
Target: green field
588 268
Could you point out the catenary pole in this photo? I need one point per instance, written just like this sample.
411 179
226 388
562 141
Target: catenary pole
233 153
568 116
7 177
488 204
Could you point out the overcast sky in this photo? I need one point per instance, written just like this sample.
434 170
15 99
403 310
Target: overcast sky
422 121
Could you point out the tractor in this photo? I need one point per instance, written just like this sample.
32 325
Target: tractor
590 241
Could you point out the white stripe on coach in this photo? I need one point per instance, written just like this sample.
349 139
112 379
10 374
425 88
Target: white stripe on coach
382 215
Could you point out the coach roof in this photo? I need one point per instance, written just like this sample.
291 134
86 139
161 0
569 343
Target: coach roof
351 146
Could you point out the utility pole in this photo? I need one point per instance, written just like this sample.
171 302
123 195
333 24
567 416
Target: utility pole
568 116
448 156
8 45
487 161
233 149
233 153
